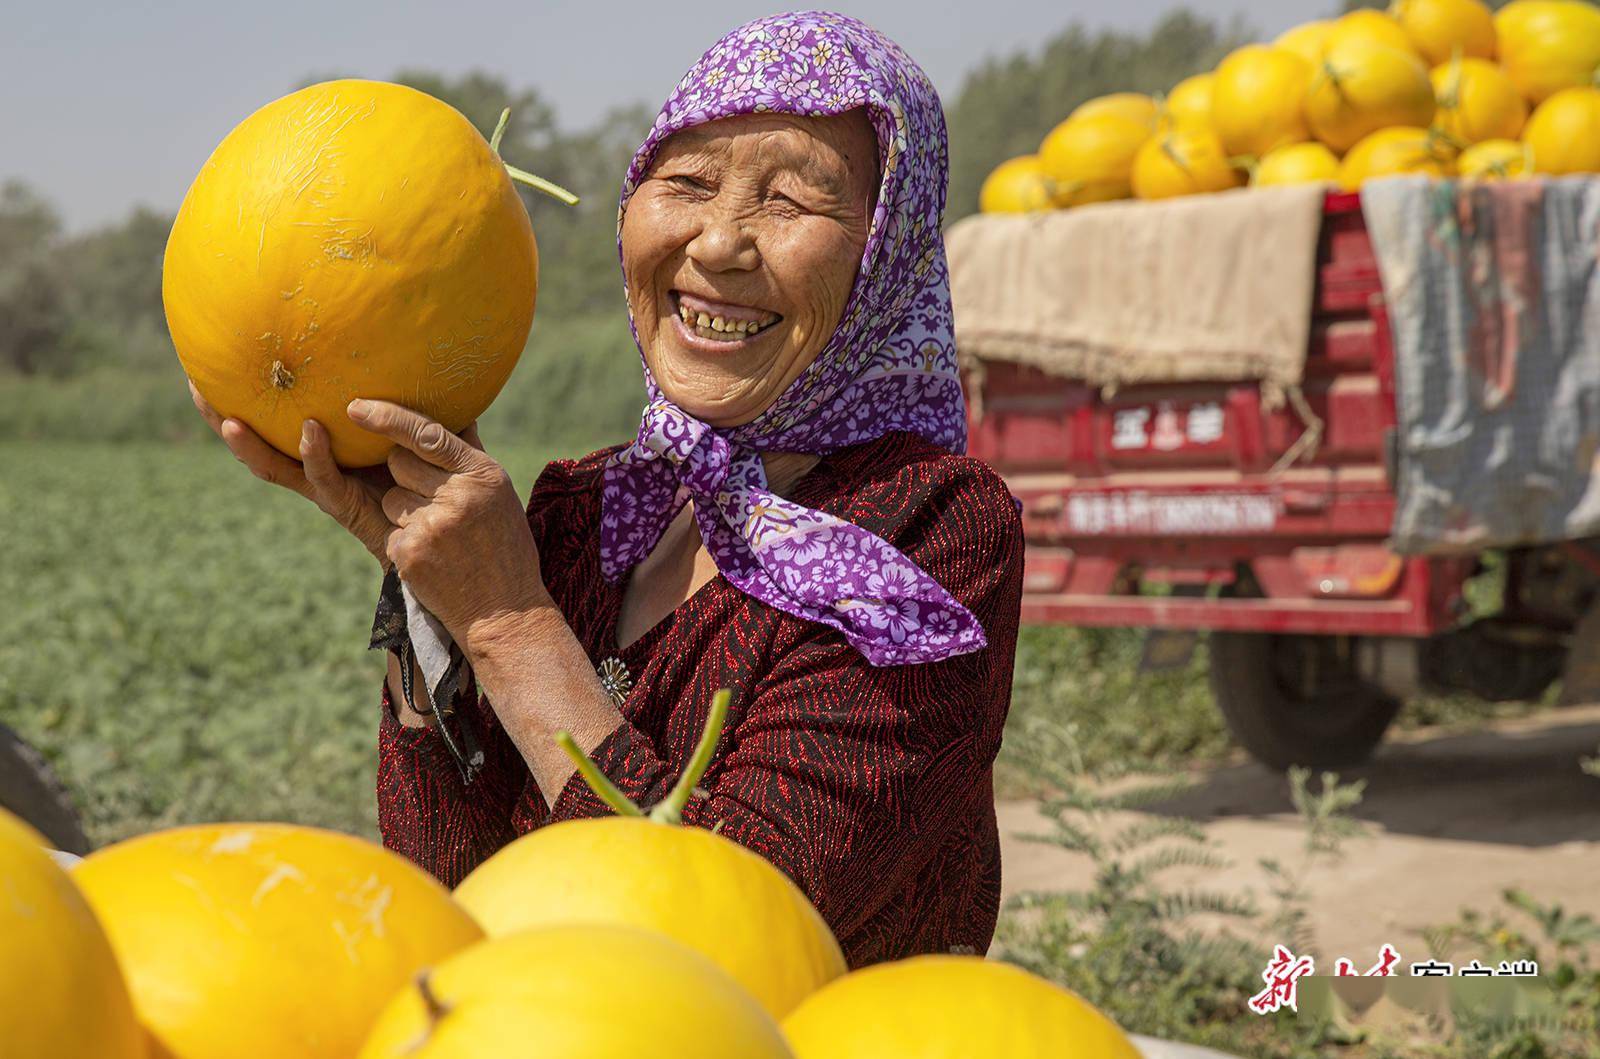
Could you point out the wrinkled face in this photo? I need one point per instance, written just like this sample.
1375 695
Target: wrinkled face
740 248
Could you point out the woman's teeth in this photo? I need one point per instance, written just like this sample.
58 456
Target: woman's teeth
719 329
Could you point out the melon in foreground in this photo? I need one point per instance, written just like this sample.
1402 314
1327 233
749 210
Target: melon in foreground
63 993
247 940
693 886
575 993
352 239
951 1007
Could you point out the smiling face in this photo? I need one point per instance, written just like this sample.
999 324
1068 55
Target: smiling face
740 248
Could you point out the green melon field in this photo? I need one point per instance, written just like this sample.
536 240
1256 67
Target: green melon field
185 643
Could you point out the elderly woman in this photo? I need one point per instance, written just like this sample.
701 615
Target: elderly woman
794 521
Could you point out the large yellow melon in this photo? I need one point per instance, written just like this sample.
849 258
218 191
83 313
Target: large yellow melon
1477 102
1255 100
633 870
1563 134
685 882
1368 27
1090 159
352 239
1298 163
1188 105
1495 160
1440 30
1017 185
1548 45
61 991
951 1007
1306 40
249 940
1183 161
1395 152
1134 106
1363 87
588 992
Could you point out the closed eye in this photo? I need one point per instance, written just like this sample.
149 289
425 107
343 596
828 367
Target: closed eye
783 201
688 183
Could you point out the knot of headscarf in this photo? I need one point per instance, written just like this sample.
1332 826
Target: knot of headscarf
889 366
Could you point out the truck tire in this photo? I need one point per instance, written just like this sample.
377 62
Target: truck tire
1297 700
1580 677
29 789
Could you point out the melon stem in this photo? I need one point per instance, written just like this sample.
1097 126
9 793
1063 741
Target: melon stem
499 130
436 1009
538 183
670 811
603 788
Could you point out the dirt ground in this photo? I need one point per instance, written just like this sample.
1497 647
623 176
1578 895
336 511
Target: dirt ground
1452 818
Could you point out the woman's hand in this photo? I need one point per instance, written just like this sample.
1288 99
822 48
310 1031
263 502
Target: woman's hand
456 530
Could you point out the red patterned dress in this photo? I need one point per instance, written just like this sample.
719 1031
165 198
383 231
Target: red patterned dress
871 787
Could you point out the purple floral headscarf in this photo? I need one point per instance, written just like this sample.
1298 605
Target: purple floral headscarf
889 366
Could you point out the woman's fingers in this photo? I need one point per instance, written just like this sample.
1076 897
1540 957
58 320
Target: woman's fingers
469 434
415 473
400 504
426 437
334 492
203 406
264 461
349 499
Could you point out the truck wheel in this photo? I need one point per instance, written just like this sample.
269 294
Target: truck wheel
1580 677
1297 700
29 789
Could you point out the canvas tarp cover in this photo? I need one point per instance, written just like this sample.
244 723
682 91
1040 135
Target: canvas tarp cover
1205 288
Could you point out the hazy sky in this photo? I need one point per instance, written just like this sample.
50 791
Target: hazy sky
106 105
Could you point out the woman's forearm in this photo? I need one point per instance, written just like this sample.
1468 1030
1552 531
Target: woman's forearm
538 678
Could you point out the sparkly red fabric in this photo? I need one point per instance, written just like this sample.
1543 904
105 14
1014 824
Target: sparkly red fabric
871 787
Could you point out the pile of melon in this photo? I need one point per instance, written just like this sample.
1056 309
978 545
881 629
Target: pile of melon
608 938
1437 87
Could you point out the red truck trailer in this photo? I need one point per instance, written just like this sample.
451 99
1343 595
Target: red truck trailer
1192 507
